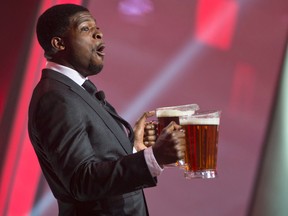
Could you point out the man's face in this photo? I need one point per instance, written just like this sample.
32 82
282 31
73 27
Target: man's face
84 45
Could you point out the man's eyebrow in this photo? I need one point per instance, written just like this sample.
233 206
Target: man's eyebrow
85 19
81 20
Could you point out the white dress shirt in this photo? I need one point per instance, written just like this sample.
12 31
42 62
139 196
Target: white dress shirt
152 164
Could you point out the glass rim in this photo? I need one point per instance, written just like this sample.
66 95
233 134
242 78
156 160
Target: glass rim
202 118
190 106
175 111
203 113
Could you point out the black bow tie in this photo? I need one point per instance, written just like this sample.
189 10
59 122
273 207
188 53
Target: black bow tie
100 95
91 88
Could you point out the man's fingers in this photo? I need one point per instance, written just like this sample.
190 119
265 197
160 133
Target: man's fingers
152 125
150 132
180 142
149 114
172 127
150 138
143 118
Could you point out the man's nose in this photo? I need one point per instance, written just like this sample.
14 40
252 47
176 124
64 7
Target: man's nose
97 34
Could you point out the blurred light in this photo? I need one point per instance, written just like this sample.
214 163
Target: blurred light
43 205
242 93
165 76
220 18
135 7
226 9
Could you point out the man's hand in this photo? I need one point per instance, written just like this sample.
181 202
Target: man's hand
150 133
144 132
170 145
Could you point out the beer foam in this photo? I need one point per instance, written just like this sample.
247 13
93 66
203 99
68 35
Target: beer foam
173 113
199 121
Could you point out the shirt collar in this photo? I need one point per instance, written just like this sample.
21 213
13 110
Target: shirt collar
66 71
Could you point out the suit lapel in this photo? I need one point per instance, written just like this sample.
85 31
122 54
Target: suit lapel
97 107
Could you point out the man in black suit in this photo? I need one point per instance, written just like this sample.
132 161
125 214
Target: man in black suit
85 149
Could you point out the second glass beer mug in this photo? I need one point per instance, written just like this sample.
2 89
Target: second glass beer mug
167 114
202 132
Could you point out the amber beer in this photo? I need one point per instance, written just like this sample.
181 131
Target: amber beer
164 118
202 132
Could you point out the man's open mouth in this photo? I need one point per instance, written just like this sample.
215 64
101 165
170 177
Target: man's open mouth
100 50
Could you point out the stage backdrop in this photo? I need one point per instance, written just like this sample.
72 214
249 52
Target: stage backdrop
224 54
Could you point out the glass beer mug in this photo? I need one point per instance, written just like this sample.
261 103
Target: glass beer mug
202 132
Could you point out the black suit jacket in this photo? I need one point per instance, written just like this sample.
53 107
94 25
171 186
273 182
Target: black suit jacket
85 156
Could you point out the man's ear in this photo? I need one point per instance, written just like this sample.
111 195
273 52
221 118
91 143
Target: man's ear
57 43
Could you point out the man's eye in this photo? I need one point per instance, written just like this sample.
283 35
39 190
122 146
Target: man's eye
85 28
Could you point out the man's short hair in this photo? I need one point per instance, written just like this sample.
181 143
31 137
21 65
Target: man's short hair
54 23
